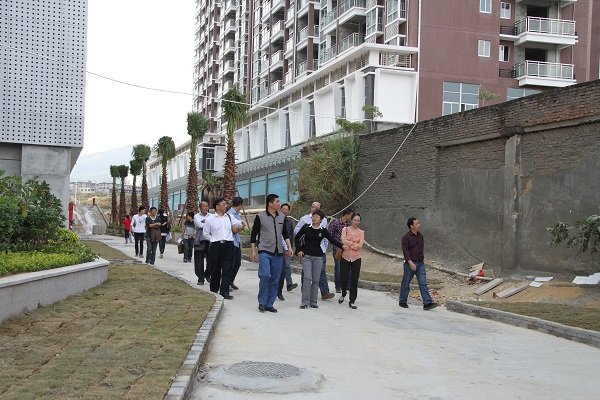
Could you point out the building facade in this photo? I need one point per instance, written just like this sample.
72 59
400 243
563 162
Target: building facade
304 63
42 62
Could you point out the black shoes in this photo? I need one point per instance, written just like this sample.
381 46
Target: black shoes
352 306
430 306
271 309
280 297
200 282
341 300
403 305
314 306
234 287
227 296
292 287
304 307
262 308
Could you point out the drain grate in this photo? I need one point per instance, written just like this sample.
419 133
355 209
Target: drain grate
252 369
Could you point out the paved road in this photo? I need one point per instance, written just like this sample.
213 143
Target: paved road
380 351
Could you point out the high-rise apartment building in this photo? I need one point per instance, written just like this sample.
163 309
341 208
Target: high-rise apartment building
307 62
42 62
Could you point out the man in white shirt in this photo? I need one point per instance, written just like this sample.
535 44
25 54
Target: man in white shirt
307 220
138 226
201 244
219 229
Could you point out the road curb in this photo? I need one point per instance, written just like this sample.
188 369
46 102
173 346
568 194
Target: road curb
185 381
580 335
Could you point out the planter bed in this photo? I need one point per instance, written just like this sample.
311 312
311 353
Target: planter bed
25 292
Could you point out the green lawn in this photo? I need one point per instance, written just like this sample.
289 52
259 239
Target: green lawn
123 339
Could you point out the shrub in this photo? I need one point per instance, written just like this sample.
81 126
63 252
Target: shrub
67 242
14 263
585 234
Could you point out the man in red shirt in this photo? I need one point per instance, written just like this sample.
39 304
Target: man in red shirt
412 247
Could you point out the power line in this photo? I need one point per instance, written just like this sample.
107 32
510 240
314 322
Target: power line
138 86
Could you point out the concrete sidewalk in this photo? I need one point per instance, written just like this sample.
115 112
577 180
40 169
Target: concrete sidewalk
377 351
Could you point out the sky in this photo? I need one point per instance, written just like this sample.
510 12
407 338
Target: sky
144 42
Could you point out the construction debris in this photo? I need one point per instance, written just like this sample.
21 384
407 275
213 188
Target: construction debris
488 286
593 279
511 291
539 281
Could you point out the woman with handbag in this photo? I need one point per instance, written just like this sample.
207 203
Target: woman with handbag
308 248
153 236
353 238
187 235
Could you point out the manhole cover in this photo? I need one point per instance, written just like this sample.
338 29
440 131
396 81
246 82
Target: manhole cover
263 369
268 377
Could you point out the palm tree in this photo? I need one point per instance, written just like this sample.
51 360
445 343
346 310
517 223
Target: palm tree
135 168
123 172
114 173
165 150
143 152
211 187
197 125
235 110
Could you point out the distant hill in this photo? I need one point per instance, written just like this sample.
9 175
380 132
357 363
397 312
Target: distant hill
95 167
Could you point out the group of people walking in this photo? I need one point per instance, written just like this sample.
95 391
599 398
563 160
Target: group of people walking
213 241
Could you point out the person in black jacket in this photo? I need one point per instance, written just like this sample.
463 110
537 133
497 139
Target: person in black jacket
286 272
308 248
165 228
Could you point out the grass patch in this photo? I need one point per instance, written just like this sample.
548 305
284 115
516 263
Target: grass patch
580 317
123 339
105 251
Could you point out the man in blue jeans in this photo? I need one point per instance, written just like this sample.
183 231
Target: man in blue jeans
412 247
268 231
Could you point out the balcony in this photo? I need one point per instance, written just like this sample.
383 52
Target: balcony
289 17
541 73
289 46
327 55
277 31
229 46
358 6
276 61
276 86
276 5
230 6
303 6
303 68
328 19
228 67
352 40
561 3
229 27
287 78
546 30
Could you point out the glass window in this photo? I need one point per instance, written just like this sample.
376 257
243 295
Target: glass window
371 22
257 191
516 93
278 184
485 6
265 139
248 154
288 133
293 184
503 53
209 158
483 48
312 128
505 10
392 10
459 97
343 102
243 188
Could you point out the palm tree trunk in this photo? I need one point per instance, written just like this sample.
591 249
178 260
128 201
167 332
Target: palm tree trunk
145 201
191 204
113 203
229 170
164 190
134 204
122 208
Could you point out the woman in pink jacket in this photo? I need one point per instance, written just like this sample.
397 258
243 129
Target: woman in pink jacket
354 238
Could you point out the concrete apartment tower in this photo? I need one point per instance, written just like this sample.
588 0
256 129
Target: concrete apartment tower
42 62
302 63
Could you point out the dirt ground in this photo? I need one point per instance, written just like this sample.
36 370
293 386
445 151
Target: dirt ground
446 286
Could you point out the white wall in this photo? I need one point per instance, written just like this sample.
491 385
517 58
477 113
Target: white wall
256 139
395 95
355 96
274 133
325 111
297 125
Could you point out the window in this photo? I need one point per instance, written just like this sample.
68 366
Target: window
485 6
278 183
342 102
243 188
265 139
247 140
257 190
371 22
505 10
288 134
312 127
516 93
459 97
503 53
392 10
209 159
483 48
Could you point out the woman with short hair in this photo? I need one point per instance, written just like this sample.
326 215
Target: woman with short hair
354 239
